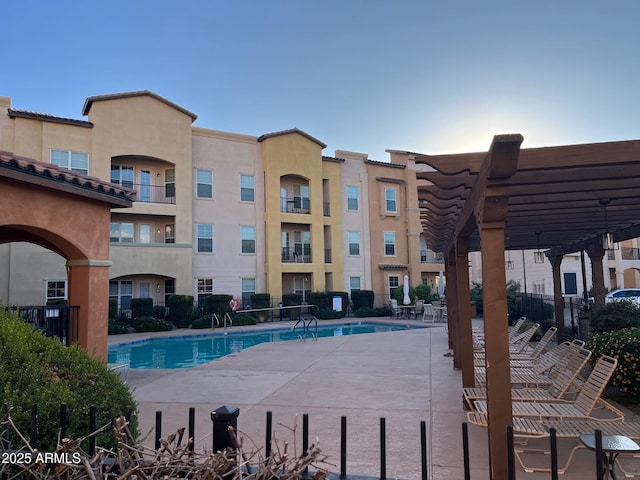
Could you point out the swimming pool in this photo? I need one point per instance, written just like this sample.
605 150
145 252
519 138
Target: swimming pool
189 351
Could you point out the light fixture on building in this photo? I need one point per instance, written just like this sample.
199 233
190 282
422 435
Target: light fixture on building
509 265
538 256
607 237
157 288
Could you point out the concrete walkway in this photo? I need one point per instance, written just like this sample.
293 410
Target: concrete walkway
403 376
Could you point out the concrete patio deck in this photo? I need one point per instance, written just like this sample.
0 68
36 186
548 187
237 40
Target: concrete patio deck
401 376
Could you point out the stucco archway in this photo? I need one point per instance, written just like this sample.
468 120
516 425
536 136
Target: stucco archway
69 214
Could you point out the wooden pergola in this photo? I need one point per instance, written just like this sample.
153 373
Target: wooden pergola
558 199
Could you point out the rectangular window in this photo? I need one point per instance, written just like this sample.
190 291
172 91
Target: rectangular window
390 195
301 200
204 232
570 284
205 288
394 282
122 290
56 290
169 233
122 175
389 244
248 289
204 186
248 235
247 188
170 183
169 289
354 283
144 234
352 198
74 161
354 243
121 232
538 288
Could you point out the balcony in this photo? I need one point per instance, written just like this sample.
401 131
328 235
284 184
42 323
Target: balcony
296 255
427 256
154 193
295 205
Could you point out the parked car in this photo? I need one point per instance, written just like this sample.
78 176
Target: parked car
632 294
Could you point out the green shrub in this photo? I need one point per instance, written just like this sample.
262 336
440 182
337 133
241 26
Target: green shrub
423 292
398 294
612 316
373 312
288 300
180 310
624 345
113 309
158 311
150 324
203 322
141 307
117 328
261 300
327 313
218 304
243 319
319 299
362 298
35 369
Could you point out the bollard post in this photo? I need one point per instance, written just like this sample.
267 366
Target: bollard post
223 418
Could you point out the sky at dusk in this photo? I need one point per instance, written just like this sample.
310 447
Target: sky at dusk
361 75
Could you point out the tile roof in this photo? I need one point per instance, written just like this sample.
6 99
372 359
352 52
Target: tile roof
287 132
50 175
140 93
45 117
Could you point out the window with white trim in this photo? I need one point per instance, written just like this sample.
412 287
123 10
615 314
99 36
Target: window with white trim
354 283
122 175
353 196
75 161
247 188
390 198
204 234
204 183
56 290
248 289
121 232
205 288
354 243
389 244
393 282
122 290
248 238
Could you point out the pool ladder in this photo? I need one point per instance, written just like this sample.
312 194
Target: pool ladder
306 324
226 318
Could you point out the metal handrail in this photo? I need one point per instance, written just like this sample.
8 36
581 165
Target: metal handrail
305 324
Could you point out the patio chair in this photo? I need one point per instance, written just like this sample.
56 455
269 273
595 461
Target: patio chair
526 429
395 310
428 313
583 407
564 379
418 308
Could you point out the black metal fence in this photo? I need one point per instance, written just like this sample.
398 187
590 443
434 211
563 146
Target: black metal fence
225 417
59 321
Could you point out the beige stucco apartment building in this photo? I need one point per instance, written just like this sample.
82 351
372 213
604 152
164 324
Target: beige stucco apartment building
220 212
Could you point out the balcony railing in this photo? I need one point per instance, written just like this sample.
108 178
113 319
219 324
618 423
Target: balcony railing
295 205
427 256
296 255
154 193
630 253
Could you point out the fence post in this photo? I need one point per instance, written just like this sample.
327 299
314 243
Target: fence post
158 430
267 441
383 449
599 462
92 428
192 428
343 447
423 449
510 460
554 453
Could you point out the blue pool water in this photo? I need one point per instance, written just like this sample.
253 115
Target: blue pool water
189 351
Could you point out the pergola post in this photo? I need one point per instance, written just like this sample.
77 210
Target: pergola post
558 301
453 310
465 335
596 254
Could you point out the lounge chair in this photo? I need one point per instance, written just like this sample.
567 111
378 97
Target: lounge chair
526 360
583 407
525 429
395 310
563 381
